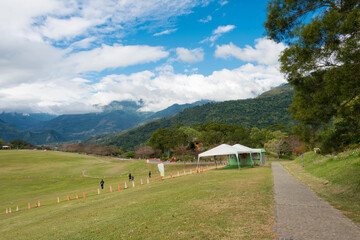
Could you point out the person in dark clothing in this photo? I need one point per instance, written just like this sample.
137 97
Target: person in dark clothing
149 174
102 184
132 177
129 176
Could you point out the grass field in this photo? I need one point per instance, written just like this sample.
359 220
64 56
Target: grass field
216 204
334 178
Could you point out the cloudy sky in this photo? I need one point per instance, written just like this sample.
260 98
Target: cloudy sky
65 56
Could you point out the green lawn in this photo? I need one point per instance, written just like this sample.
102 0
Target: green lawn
216 204
334 178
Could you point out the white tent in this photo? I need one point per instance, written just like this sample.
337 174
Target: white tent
225 149
243 149
222 149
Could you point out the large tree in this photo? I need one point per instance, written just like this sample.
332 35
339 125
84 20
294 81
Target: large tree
322 61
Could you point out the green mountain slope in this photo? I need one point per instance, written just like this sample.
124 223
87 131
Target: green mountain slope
263 111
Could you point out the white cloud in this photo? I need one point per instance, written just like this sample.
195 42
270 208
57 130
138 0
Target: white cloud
190 56
265 51
223 2
205 20
223 29
69 19
165 32
58 29
164 87
159 89
218 32
115 56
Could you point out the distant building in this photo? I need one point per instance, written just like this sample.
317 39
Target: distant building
5 148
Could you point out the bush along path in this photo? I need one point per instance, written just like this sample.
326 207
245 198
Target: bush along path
300 214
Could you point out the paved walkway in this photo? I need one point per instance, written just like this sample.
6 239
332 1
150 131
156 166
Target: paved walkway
300 214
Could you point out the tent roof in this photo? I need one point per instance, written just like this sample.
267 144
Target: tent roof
243 149
222 149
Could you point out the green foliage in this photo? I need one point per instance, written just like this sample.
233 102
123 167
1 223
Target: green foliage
321 63
2 143
130 154
19 144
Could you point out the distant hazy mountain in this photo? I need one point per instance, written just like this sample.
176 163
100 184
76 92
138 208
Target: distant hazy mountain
115 117
25 121
267 109
9 132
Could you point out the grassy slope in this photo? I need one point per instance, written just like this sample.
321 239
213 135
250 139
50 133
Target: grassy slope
218 204
334 178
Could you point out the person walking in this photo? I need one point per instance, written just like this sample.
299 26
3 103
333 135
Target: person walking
102 183
129 176
149 174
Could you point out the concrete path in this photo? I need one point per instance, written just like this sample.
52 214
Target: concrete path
300 214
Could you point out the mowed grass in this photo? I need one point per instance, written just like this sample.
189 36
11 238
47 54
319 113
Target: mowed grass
334 178
216 204
31 176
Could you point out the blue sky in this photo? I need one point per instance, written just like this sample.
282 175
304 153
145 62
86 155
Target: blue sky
67 56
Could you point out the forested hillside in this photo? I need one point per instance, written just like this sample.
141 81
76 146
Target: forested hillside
263 111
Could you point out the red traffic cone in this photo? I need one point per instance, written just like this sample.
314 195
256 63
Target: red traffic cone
119 188
84 196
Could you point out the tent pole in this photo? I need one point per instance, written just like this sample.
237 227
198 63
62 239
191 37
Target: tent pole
237 158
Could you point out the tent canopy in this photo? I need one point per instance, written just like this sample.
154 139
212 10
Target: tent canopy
236 149
243 149
222 149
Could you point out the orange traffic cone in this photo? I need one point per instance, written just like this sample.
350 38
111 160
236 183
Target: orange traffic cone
84 196
119 188
68 197
77 196
202 170
36 204
29 206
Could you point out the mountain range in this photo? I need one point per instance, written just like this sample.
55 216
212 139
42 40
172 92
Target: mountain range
265 110
39 128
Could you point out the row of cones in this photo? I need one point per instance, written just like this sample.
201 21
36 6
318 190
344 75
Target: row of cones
37 204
